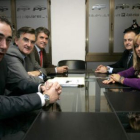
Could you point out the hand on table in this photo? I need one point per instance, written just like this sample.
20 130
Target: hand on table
112 79
108 81
62 69
54 90
101 69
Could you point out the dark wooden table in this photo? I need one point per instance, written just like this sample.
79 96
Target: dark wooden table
102 87
76 126
124 101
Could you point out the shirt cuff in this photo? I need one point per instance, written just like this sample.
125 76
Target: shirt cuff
110 69
55 69
42 98
41 76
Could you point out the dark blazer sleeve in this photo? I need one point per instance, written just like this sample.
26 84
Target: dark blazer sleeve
50 68
3 75
122 63
15 105
23 86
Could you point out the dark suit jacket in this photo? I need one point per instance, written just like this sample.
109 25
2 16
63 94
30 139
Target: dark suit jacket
3 75
122 63
14 105
46 63
17 68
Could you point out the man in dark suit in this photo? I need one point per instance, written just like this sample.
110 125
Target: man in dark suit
21 63
14 105
42 37
126 60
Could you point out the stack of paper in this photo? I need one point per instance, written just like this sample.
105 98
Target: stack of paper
69 81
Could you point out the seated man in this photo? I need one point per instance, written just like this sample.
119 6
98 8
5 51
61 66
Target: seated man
126 60
14 105
20 60
131 76
42 37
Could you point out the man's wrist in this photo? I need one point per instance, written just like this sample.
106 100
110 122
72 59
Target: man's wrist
47 99
109 69
39 87
40 73
41 98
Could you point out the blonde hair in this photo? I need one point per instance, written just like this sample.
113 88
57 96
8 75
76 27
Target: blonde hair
134 120
136 59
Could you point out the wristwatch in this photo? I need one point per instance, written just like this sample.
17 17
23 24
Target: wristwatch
47 99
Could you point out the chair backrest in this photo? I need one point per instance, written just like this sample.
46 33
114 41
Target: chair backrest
73 64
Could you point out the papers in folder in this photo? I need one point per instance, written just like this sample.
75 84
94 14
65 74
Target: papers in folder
69 81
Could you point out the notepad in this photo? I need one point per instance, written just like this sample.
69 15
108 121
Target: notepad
69 81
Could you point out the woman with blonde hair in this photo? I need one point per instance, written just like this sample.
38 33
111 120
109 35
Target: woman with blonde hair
131 76
134 120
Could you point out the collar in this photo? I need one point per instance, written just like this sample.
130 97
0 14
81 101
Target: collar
23 55
37 48
131 52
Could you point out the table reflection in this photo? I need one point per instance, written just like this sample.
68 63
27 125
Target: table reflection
131 123
55 107
121 90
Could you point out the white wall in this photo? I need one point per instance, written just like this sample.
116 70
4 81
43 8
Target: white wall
67 29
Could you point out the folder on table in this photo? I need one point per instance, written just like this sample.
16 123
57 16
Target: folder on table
69 81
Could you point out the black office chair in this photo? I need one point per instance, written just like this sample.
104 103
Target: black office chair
73 64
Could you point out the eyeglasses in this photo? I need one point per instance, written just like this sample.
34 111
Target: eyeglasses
28 40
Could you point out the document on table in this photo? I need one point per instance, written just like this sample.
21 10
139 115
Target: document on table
69 81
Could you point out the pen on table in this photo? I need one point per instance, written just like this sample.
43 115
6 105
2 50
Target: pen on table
68 81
